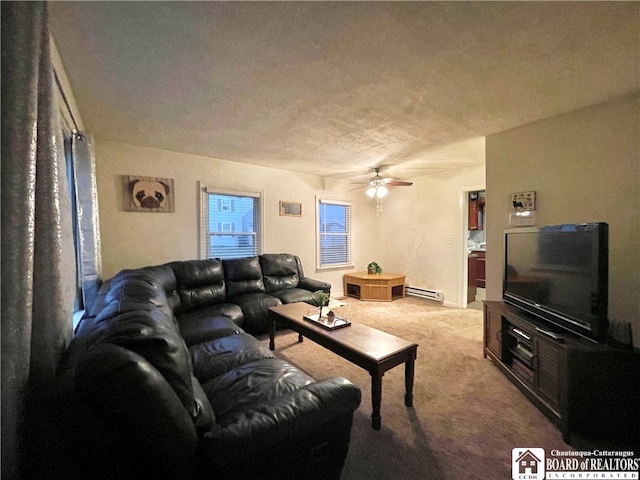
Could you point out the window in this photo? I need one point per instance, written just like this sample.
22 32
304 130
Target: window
81 176
231 224
68 154
334 233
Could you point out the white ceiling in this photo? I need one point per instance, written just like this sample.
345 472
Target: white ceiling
335 88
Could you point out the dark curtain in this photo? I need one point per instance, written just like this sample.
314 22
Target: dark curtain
38 263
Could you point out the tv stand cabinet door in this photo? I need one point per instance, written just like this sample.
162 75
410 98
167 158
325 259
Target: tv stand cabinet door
550 371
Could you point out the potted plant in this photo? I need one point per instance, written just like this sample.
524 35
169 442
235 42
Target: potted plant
321 299
373 268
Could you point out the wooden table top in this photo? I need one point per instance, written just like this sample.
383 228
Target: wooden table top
380 276
368 342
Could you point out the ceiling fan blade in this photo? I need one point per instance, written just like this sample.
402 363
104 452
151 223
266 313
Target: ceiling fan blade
378 181
398 183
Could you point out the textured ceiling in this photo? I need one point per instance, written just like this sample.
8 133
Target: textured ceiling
335 88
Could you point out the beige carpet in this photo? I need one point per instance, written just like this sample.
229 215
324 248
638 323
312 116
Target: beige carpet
467 417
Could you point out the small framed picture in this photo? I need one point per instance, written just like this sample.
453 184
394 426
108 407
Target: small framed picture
289 208
523 201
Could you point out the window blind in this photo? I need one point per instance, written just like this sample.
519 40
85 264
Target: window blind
233 224
334 220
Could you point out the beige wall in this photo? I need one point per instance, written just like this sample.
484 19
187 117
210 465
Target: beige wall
584 167
134 239
428 212
417 225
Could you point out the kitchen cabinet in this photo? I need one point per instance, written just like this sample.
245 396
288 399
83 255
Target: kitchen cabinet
472 275
476 210
480 267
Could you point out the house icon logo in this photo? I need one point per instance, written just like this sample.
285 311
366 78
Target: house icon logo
527 464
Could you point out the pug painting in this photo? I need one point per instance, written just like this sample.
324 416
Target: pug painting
146 194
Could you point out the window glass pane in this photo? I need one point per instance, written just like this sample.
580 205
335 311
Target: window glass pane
334 235
333 218
234 225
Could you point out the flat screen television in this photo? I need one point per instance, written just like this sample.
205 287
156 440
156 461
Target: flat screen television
560 274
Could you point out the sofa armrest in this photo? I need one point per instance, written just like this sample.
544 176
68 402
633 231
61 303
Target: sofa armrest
336 393
314 285
289 429
300 409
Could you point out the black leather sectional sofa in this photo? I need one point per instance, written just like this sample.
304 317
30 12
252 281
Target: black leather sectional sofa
242 289
164 380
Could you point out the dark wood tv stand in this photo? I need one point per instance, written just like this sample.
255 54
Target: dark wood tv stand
589 391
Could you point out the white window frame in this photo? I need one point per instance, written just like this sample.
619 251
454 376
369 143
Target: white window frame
204 215
334 266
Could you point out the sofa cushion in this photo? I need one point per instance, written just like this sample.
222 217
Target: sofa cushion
280 271
243 275
255 307
199 283
215 357
204 323
251 385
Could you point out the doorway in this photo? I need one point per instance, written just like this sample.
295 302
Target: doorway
473 248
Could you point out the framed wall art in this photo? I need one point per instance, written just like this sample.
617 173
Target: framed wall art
523 201
147 194
290 208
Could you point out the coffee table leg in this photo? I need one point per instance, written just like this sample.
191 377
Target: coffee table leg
300 338
408 382
376 400
272 335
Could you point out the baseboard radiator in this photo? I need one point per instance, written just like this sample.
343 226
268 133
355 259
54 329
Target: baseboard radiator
424 293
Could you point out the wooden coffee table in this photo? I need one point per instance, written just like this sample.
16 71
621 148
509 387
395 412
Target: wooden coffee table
367 347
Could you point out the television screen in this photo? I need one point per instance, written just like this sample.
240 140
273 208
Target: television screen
560 273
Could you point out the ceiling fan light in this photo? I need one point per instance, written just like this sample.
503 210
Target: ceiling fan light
371 191
381 191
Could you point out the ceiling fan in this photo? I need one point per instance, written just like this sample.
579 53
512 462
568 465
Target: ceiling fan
377 187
